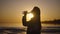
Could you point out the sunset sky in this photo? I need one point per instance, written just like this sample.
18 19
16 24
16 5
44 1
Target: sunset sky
11 11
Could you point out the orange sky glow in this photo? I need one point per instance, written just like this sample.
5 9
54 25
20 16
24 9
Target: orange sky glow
11 11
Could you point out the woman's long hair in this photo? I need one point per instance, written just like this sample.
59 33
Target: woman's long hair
36 11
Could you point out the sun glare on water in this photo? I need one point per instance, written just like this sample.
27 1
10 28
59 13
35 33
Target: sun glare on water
29 16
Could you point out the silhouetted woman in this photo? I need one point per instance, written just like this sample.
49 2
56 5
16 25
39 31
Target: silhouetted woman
34 25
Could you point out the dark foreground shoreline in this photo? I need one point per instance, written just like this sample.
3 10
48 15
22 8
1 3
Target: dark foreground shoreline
18 30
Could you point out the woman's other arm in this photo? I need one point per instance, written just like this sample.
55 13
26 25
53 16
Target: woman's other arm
24 18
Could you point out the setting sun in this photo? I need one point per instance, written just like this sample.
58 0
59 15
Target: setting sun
29 16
